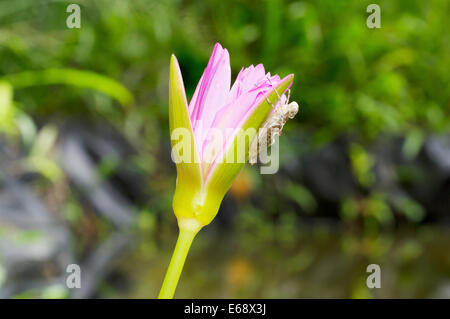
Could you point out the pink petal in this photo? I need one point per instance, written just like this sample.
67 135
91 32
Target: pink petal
249 88
235 114
211 92
245 81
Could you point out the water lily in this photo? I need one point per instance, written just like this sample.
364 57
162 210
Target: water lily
204 169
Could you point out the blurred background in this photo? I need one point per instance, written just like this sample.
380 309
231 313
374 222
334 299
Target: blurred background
86 175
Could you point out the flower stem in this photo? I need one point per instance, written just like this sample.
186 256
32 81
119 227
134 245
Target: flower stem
188 229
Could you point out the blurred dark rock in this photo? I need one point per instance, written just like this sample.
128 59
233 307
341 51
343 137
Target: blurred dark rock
437 149
431 183
328 171
100 263
82 151
325 171
32 238
37 245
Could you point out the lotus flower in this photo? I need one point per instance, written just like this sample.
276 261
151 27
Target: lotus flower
204 171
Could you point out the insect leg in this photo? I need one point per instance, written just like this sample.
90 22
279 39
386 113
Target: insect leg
289 96
267 99
268 79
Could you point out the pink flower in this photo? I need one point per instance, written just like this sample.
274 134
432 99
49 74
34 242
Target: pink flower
203 177
216 105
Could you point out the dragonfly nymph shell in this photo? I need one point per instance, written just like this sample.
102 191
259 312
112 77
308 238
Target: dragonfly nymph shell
271 128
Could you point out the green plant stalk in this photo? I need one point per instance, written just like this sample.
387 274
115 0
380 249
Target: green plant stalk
188 228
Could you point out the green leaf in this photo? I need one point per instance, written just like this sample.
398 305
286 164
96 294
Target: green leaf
80 78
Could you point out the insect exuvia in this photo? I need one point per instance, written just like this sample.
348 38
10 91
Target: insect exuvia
272 127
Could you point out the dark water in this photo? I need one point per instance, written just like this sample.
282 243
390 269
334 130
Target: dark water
312 264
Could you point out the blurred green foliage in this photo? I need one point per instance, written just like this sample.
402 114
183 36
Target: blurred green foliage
349 80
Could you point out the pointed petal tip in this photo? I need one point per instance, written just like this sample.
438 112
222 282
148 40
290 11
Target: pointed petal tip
174 66
173 59
288 78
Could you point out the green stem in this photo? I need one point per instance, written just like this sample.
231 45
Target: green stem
188 229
